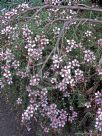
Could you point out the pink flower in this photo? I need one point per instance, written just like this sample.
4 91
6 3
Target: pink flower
35 80
46 129
100 42
46 1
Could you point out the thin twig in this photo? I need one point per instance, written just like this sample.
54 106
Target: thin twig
57 44
74 19
40 8
87 8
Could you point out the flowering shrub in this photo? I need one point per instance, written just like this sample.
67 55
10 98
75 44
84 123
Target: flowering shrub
50 61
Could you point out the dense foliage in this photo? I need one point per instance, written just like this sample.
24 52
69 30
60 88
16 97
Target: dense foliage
51 66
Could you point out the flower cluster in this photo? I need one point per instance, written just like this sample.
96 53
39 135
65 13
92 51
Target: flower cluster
1 84
66 72
41 41
71 45
34 46
98 101
8 55
88 33
34 80
11 33
56 61
73 115
98 124
38 99
58 118
98 97
21 74
10 14
89 56
15 64
7 58
56 30
19 101
88 104
62 86
100 42
66 75
54 80
79 76
28 113
2 55
7 74
7 30
75 63
99 70
23 7
56 2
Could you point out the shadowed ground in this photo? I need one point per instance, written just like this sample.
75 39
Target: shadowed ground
8 124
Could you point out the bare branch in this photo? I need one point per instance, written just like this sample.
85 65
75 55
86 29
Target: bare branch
80 7
75 19
67 23
40 8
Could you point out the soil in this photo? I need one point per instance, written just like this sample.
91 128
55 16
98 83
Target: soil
9 126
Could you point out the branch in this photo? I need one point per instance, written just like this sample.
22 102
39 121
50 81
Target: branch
40 8
80 7
57 44
75 19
